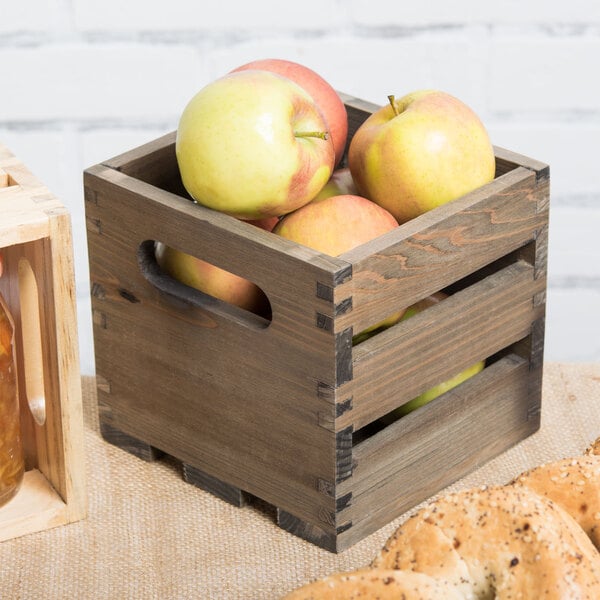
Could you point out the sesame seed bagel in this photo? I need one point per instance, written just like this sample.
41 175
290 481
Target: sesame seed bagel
499 542
594 447
574 484
383 584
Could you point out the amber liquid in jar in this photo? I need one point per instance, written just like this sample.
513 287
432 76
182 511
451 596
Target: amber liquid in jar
11 453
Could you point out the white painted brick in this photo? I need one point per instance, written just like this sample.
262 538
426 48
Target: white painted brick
33 16
122 81
100 145
372 68
574 248
87 360
570 148
572 326
187 15
459 12
545 74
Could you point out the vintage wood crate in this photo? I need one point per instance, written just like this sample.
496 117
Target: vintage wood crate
39 287
287 409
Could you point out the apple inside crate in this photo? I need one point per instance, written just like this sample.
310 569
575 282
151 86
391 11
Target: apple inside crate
38 286
286 408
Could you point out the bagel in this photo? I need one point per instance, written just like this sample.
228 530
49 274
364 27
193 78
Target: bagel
376 583
594 447
573 484
499 542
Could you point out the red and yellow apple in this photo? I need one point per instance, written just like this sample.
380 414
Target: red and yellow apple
253 144
339 184
326 98
338 224
212 280
267 223
419 152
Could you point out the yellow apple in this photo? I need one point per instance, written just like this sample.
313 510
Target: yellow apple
419 152
253 144
326 98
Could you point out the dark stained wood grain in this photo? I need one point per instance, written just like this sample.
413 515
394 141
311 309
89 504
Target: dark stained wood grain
283 406
438 343
420 454
430 252
216 487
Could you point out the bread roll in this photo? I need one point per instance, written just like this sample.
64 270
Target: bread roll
376 583
594 447
499 542
574 484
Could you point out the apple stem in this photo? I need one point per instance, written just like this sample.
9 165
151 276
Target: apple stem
323 135
392 100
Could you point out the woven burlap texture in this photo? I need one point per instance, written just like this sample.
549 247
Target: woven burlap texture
151 535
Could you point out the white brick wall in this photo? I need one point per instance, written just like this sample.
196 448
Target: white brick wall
83 81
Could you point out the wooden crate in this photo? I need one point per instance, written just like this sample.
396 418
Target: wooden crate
287 410
38 285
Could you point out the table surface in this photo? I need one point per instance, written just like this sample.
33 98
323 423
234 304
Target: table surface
149 534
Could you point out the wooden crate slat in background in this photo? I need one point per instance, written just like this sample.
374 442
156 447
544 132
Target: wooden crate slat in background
36 242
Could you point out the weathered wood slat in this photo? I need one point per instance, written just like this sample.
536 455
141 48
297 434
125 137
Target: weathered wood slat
430 252
436 344
420 454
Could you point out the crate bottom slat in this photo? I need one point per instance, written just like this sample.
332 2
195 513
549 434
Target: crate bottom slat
220 489
129 443
307 531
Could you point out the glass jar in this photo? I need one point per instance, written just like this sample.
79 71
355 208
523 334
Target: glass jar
11 453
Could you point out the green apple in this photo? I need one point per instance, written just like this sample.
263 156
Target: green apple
253 144
419 152
326 98
441 388
339 184
335 225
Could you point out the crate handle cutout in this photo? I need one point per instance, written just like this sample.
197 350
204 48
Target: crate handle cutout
32 341
162 281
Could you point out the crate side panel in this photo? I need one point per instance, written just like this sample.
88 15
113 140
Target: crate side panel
436 344
422 453
234 401
442 246
183 390
287 272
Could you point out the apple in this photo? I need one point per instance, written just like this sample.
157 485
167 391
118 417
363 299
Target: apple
338 224
326 98
339 184
441 388
267 223
253 144
419 152
212 280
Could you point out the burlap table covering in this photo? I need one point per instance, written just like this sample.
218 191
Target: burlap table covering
151 535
